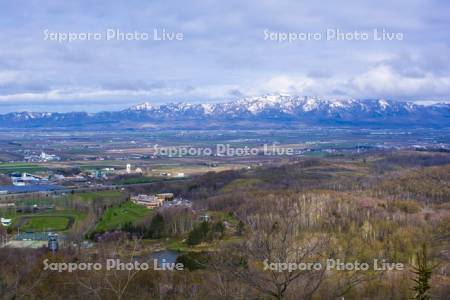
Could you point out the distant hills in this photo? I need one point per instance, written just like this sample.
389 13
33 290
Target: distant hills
270 111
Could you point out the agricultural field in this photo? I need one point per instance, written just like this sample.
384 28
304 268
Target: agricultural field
7 168
136 180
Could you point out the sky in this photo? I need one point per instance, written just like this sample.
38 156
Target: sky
227 50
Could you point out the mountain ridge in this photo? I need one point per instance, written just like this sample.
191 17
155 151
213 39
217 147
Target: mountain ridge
280 109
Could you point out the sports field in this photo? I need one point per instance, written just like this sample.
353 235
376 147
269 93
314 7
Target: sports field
45 223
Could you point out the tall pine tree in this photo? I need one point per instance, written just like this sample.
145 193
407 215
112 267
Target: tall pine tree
423 272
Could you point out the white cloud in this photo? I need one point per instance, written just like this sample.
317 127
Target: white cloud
383 80
7 77
286 84
224 54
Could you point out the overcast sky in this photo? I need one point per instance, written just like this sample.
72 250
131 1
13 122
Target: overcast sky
224 53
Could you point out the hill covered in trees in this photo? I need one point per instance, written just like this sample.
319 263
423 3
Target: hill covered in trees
393 207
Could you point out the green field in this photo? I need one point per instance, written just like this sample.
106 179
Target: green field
317 154
115 217
8 168
55 220
91 196
136 180
46 223
62 216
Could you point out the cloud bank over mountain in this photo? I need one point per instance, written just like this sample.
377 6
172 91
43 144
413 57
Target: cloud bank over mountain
223 54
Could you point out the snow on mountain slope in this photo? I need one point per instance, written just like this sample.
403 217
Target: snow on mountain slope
142 106
281 108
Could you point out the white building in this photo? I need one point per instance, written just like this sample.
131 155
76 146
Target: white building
26 179
46 157
6 222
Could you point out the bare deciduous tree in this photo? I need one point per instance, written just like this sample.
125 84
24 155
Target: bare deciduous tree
276 236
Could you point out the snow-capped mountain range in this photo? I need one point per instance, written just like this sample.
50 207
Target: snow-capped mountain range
269 109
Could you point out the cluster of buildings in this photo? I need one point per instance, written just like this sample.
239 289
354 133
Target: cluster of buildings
163 200
74 178
103 173
128 170
152 201
175 175
25 179
43 157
